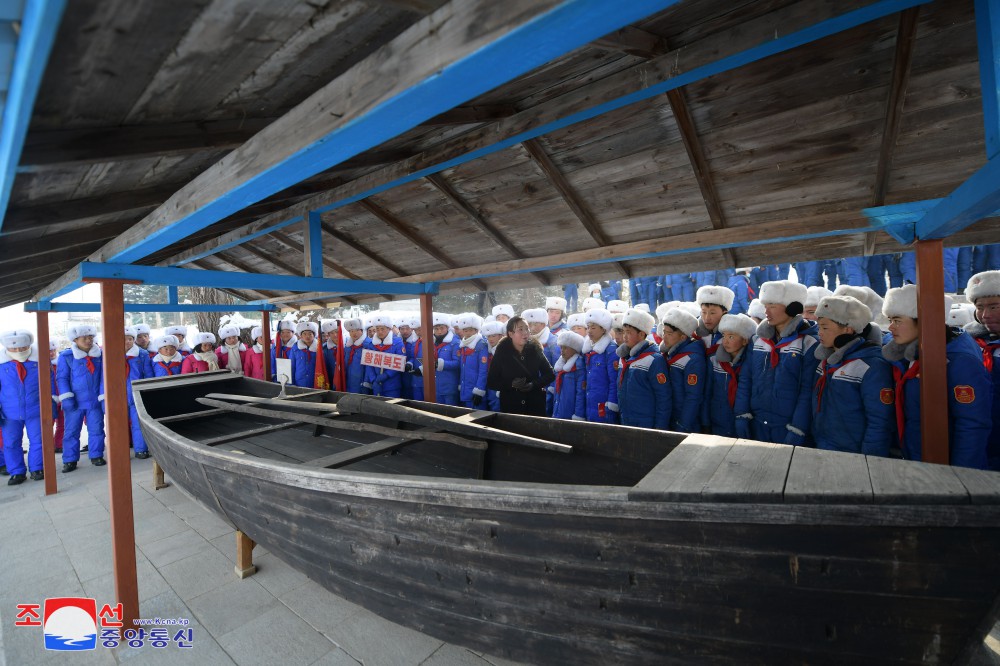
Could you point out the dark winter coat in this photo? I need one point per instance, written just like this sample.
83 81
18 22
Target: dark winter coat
530 364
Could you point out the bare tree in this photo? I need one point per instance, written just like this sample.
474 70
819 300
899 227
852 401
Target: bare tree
209 321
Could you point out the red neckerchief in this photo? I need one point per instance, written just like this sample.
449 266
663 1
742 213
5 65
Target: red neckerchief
21 371
775 347
168 366
821 382
90 364
559 377
676 357
901 378
709 350
354 349
281 351
987 354
731 383
629 362
467 351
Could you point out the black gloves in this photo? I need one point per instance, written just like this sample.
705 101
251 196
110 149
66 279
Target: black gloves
477 400
522 384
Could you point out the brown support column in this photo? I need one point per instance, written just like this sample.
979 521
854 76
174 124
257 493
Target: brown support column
45 399
116 449
933 362
158 482
427 333
265 327
244 555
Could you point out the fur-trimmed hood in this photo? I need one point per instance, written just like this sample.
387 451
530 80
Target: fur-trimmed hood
767 331
600 346
543 336
834 356
722 356
176 358
32 355
95 351
314 347
471 341
562 363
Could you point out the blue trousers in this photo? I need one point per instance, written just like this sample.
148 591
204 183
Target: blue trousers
964 266
95 431
138 441
895 273
648 295
13 454
448 398
684 291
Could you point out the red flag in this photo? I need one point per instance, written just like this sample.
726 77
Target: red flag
340 374
320 378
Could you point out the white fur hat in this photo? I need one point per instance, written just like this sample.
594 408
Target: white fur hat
958 315
488 318
327 325
614 307
469 320
692 309
683 321
131 331
382 319
901 302
166 341
142 328
845 310
503 309
555 303
644 307
866 295
663 308
410 320
983 284
740 324
640 320
53 345
535 316
17 338
602 318
493 328
576 319
592 287
784 292
592 303
570 339
307 326
814 295
352 325
756 309
286 324
81 330
176 330
618 321
229 331
202 337
256 332
716 295
367 321
441 319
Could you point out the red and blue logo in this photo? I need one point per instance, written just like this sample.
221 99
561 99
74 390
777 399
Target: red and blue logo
70 623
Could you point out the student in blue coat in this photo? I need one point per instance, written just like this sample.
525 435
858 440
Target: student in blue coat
181 333
167 361
569 399
683 286
555 307
306 354
856 271
330 331
643 392
810 273
79 377
635 290
713 303
415 361
446 359
983 291
142 338
20 408
685 357
601 368
283 345
725 371
664 289
739 284
813 296
494 332
610 290
383 381
354 372
772 401
970 390
474 361
537 320
139 366
877 268
853 398
571 294
408 325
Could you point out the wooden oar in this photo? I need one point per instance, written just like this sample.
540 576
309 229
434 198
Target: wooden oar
347 425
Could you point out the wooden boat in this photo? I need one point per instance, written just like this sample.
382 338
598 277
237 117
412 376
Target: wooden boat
565 542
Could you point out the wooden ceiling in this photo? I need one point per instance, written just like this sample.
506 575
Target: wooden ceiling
140 98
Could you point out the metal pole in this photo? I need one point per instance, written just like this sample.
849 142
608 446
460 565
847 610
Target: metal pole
265 327
427 334
117 452
933 361
45 400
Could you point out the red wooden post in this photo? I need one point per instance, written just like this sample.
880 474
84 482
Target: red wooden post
933 362
45 399
427 334
116 449
265 327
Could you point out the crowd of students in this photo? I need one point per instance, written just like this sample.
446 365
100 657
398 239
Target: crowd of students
804 366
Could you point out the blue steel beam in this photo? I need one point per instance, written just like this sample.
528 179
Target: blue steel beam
187 277
48 306
976 198
38 32
172 298
565 27
988 36
313 245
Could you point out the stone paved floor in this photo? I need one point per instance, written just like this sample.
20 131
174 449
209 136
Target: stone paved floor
61 546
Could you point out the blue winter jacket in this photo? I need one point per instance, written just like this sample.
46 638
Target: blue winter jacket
852 399
568 389
643 391
704 279
139 367
600 385
304 364
447 379
416 356
687 375
740 285
856 271
279 350
779 394
385 382
724 372
810 273
19 398
474 364
80 384
166 367
354 372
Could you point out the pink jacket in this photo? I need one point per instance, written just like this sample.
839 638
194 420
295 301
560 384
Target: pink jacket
223 355
193 364
253 364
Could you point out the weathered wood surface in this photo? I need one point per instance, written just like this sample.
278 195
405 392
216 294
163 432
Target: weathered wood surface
247 434
684 474
828 477
905 481
750 472
367 451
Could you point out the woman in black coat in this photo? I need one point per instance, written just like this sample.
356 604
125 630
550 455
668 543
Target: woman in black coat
520 372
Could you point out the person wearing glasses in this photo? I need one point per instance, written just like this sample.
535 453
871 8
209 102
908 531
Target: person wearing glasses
520 372
983 291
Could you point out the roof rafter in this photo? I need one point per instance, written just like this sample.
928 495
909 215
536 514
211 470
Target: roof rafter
250 248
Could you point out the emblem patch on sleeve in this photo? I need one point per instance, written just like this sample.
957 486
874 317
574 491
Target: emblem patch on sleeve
692 380
887 396
662 378
484 359
965 394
